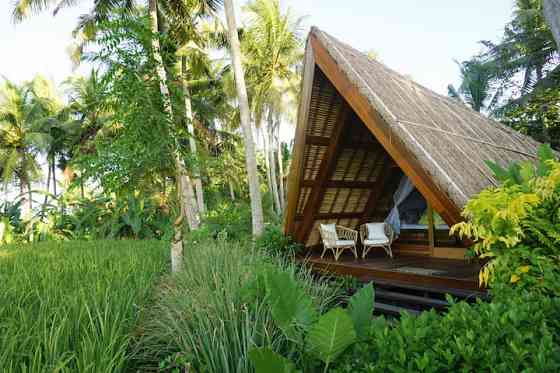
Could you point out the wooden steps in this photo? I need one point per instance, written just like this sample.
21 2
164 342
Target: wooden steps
390 310
391 300
410 299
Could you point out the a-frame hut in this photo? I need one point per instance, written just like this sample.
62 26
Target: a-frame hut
362 127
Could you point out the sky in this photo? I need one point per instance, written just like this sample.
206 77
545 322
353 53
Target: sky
421 39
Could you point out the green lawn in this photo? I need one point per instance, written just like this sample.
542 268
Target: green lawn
71 306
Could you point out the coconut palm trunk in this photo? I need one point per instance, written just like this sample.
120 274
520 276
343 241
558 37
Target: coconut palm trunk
280 166
46 192
53 172
30 194
192 142
551 10
264 134
231 191
272 161
183 182
250 158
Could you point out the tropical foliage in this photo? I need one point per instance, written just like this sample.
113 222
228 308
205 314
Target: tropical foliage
517 79
515 227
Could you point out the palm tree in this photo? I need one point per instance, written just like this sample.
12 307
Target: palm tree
477 85
528 46
551 9
245 115
20 138
273 45
194 37
54 124
184 184
90 115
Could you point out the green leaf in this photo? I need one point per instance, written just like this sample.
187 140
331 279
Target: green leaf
291 306
267 361
499 172
360 307
526 170
545 154
331 335
514 173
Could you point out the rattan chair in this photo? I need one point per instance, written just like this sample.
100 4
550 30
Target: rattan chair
376 235
337 239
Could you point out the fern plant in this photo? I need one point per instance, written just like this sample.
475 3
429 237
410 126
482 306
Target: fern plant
516 226
318 339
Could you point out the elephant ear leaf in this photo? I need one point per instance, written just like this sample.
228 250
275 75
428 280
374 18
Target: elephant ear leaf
267 361
291 308
331 335
360 307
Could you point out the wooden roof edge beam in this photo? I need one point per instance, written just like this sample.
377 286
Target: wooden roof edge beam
296 168
326 169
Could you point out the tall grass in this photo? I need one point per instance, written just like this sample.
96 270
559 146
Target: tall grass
201 319
70 307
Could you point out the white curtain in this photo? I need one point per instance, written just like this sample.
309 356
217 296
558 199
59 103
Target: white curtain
405 188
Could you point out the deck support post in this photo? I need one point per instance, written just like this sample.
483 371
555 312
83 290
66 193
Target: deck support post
431 228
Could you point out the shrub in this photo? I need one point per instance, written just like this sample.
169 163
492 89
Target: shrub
69 307
207 316
230 218
522 334
275 242
516 226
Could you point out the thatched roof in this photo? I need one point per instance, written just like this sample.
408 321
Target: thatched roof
440 143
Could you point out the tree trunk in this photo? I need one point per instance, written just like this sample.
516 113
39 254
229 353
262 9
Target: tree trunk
53 166
551 10
231 191
46 192
272 161
250 158
280 165
192 142
264 133
186 192
184 200
29 193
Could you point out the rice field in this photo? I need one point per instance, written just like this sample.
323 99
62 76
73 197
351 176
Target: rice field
71 307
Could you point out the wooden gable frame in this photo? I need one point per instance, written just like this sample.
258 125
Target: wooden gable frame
317 55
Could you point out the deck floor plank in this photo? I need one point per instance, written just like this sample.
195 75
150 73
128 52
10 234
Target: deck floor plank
437 273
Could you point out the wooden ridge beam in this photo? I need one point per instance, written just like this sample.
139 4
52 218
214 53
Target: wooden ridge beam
326 168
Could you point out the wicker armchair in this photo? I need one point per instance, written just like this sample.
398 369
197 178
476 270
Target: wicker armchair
376 235
337 239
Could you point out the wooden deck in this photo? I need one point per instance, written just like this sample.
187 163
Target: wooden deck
452 276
